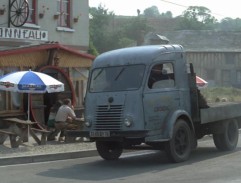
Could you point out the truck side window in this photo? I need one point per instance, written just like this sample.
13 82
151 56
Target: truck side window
161 76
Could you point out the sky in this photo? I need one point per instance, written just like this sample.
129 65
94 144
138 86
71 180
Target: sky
219 8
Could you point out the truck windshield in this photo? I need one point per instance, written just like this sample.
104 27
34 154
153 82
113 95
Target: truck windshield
117 78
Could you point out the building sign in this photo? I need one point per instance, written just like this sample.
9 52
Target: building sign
15 33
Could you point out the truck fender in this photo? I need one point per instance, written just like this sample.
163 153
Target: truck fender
171 120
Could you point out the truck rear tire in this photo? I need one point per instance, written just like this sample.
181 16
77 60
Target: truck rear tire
227 140
178 149
109 150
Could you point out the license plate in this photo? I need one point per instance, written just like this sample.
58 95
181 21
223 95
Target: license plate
99 134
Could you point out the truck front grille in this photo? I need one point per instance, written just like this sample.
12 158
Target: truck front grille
109 117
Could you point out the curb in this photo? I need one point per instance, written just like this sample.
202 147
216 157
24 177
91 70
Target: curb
46 157
53 157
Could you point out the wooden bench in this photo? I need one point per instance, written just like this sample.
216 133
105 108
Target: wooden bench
76 125
44 133
12 136
20 127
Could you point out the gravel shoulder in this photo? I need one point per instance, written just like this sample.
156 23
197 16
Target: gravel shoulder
31 148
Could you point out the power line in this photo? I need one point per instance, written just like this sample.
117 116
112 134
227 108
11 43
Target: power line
174 3
188 6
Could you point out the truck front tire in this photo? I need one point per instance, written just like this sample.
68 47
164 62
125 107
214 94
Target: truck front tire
109 150
228 139
178 149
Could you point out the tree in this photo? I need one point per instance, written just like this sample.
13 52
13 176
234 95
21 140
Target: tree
196 18
151 12
168 14
229 24
98 23
136 28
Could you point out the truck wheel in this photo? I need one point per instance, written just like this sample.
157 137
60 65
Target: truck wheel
178 149
109 150
227 140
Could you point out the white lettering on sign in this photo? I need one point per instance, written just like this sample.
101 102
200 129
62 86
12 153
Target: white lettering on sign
15 33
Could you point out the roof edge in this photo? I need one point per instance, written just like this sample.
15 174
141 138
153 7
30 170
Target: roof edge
46 46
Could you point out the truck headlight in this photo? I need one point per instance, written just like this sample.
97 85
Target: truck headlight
128 121
88 122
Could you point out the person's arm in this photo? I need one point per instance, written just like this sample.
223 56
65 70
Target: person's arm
72 113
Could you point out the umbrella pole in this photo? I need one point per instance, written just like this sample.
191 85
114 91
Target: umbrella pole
28 107
28 113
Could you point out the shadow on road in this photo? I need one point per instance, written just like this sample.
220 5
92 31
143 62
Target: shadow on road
131 165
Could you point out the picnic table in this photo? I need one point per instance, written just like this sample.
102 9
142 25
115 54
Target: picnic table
19 130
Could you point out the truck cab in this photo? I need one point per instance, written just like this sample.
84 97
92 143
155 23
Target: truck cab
134 96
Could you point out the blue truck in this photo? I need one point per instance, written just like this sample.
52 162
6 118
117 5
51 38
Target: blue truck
146 97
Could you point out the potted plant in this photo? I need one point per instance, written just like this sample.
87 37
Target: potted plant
41 15
76 19
2 10
56 16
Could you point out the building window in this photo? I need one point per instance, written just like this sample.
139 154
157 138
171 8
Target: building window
32 11
63 9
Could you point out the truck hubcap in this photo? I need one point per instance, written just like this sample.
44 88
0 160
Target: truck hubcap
181 141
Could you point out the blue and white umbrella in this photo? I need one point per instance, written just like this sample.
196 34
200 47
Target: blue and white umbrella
30 82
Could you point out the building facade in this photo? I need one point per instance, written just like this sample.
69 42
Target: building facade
63 21
49 36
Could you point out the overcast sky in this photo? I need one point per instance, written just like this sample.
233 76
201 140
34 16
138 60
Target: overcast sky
219 8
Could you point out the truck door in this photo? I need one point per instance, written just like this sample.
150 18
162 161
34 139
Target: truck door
161 96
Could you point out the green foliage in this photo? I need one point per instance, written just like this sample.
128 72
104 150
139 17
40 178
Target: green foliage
106 37
92 50
125 42
151 12
98 23
134 28
218 93
197 18
168 14
229 24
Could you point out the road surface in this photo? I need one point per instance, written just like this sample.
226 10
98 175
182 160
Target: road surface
206 164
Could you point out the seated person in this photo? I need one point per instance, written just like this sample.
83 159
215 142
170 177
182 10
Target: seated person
52 114
64 116
51 120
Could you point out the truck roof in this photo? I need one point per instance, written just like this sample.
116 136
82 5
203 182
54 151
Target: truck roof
134 55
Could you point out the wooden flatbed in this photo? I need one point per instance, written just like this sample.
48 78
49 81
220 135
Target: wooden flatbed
220 111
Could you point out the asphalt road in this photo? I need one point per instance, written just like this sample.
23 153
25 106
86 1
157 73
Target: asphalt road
206 164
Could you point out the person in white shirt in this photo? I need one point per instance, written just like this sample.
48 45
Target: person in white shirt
64 115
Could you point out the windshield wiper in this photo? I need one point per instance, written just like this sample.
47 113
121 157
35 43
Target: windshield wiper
98 74
119 73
